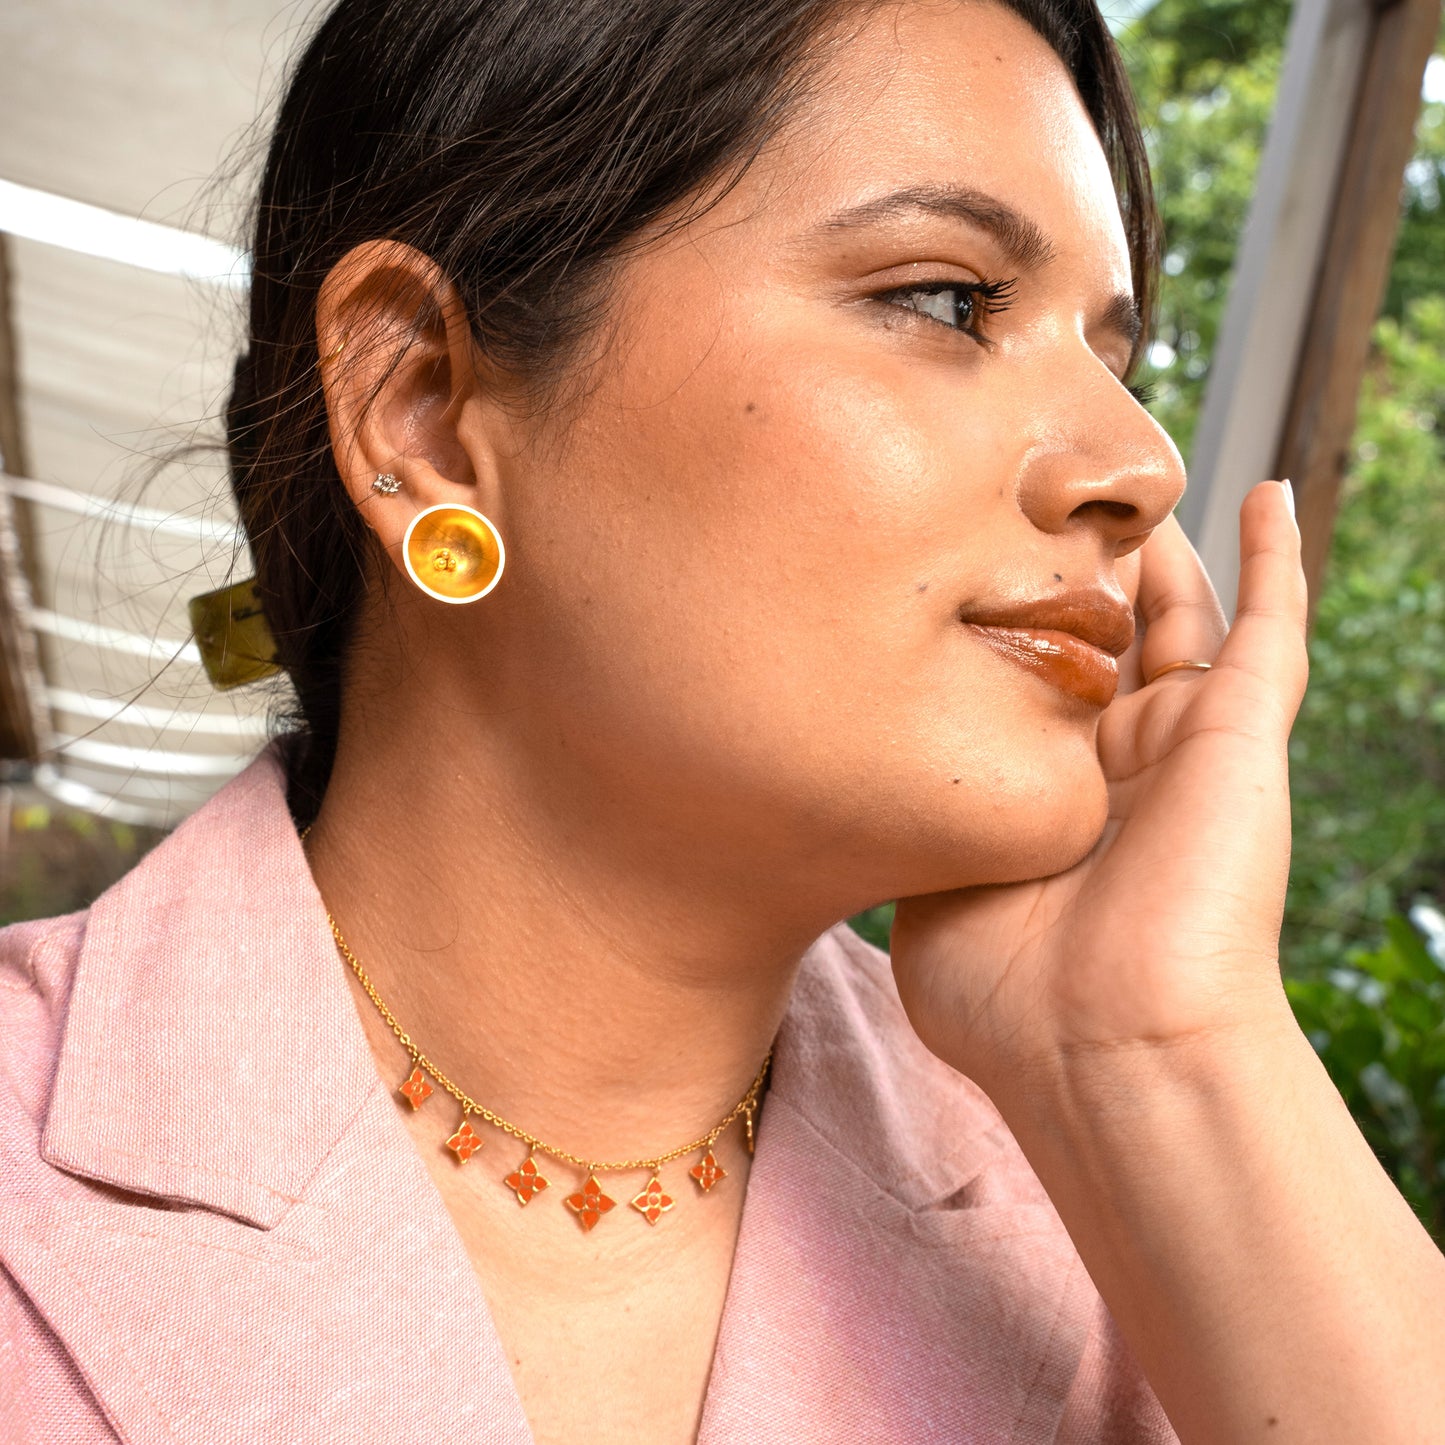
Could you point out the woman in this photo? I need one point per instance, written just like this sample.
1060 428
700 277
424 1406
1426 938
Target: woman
800 546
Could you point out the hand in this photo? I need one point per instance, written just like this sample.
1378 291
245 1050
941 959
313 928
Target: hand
1168 930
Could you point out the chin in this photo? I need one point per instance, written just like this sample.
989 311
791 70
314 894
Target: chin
1043 851
1037 821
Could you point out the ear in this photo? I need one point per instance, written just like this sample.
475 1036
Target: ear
405 389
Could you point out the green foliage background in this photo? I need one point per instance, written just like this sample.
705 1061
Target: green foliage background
1367 753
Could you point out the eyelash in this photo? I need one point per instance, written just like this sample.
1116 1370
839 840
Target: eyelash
996 297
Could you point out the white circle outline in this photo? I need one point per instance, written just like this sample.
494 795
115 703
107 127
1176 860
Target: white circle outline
453 507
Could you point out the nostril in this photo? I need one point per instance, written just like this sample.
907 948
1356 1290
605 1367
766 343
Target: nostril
1124 511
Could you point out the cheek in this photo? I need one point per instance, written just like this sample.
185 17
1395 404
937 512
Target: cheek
746 585
760 504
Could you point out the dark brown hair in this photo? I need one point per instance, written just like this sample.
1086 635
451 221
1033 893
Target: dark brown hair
521 144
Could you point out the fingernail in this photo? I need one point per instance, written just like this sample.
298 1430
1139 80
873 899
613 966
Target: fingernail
1288 495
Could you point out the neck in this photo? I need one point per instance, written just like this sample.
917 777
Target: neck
594 968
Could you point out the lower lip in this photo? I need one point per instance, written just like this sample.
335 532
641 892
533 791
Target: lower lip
1061 659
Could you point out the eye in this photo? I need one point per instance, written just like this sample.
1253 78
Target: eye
961 305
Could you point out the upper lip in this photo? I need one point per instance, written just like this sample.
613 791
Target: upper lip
1103 619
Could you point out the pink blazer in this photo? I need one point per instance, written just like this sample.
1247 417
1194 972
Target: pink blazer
214 1227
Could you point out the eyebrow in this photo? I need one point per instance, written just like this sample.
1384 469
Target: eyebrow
1021 240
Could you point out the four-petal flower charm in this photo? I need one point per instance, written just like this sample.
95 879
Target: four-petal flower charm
708 1172
416 1090
589 1203
465 1142
526 1180
652 1203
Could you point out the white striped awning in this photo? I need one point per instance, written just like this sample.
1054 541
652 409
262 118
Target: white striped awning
126 293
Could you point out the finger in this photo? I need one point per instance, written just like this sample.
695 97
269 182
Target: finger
1177 604
1267 641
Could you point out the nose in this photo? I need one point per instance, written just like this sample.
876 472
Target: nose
1100 462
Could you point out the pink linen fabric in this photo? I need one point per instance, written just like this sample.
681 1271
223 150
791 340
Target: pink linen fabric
214 1227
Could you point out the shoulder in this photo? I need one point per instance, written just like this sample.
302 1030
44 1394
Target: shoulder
52 969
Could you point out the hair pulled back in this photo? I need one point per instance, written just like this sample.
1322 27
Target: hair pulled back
521 144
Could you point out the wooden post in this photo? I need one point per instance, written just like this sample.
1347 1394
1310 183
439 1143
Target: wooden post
1354 269
20 714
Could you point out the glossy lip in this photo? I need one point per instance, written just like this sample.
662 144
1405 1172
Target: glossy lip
1071 640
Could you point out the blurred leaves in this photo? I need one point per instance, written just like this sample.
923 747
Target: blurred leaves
1368 750
1378 1023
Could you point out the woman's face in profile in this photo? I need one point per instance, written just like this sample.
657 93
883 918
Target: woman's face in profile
740 562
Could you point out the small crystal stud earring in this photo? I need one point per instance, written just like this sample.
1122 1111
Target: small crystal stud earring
386 484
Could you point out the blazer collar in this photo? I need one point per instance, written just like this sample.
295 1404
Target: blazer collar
849 1065
190 1067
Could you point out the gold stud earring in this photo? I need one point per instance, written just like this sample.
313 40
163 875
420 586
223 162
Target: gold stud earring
453 553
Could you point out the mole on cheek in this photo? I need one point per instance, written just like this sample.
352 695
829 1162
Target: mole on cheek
1058 576
751 406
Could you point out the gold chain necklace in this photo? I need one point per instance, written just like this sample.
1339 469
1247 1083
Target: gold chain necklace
589 1203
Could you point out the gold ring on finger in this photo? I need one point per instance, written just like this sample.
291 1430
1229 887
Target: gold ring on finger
1170 666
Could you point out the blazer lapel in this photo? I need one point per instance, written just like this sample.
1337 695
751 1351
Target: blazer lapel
243 1244
900 1273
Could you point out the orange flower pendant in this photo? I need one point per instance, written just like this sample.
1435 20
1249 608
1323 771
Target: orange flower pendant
416 1091
708 1171
465 1142
589 1204
526 1181
652 1203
